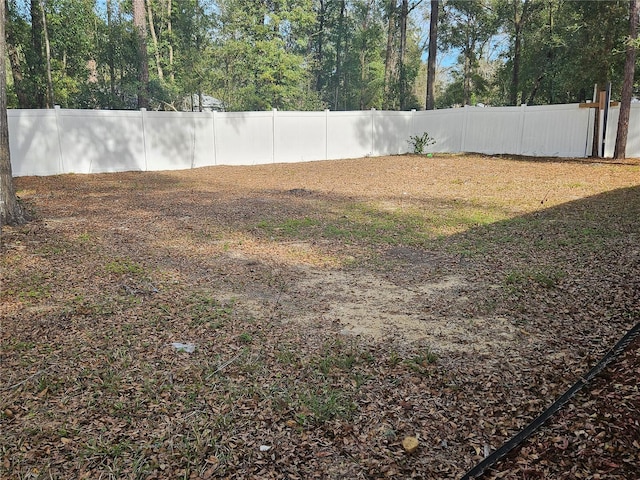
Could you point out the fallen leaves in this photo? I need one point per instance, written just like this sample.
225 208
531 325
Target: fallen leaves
595 436
479 330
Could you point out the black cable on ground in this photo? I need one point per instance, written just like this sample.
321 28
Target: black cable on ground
516 440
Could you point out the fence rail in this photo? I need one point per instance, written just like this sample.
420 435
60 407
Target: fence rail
50 142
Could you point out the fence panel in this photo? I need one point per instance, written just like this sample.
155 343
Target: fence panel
48 142
349 135
204 154
390 132
244 138
101 141
444 126
169 140
492 130
300 136
557 131
34 142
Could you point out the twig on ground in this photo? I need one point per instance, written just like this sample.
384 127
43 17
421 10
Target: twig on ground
225 365
16 385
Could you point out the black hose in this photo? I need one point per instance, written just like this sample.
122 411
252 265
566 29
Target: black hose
516 440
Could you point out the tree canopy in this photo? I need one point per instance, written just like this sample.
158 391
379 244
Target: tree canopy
310 54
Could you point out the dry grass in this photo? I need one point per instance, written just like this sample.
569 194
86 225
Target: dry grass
336 307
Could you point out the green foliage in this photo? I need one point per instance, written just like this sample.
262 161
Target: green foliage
421 362
245 337
261 50
419 142
205 310
31 289
124 266
545 277
308 55
323 405
467 28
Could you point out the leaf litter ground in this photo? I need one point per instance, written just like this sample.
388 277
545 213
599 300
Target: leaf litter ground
336 307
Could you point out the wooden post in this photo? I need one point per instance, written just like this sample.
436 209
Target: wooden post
602 102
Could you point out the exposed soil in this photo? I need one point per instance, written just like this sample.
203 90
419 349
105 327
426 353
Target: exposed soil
336 307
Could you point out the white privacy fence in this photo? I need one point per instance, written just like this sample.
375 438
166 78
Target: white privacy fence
49 142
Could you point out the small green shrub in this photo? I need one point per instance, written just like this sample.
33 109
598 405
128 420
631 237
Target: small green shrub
422 360
419 142
245 337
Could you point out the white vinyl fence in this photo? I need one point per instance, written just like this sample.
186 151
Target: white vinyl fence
50 142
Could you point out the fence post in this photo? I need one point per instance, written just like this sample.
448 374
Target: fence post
143 112
373 112
193 142
523 113
465 120
56 110
412 127
273 133
326 134
215 140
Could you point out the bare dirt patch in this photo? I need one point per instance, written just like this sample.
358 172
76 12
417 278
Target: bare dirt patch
336 307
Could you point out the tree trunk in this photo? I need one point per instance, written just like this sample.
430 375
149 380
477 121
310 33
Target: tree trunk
627 86
319 53
110 56
363 58
338 74
390 58
363 78
16 72
518 18
515 75
141 44
170 41
433 51
36 61
534 90
10 210
404 14
154 39
466 86
47 50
